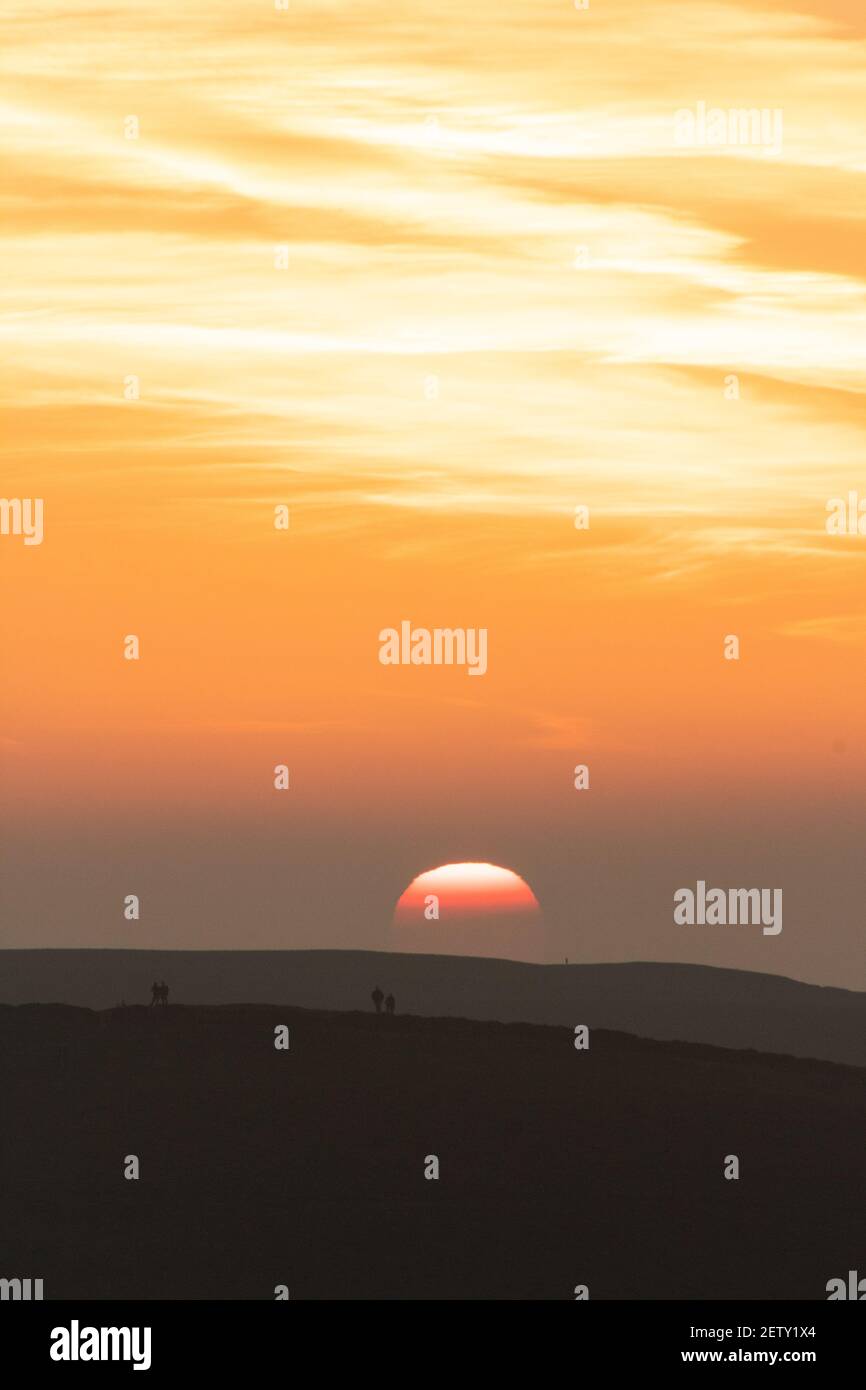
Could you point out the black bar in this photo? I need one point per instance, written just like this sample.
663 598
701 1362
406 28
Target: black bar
602 1338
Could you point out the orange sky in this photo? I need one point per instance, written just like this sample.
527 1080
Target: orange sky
508 292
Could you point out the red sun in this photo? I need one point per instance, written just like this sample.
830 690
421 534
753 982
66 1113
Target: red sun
469 909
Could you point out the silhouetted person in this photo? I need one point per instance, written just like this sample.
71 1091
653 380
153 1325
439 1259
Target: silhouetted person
377 996
163 991
389 1004
154 994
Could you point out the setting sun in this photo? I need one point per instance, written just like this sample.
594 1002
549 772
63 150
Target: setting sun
470 908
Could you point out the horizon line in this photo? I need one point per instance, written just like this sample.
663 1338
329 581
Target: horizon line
423 955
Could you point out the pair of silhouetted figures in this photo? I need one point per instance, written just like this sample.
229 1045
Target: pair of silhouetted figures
377 996
159 993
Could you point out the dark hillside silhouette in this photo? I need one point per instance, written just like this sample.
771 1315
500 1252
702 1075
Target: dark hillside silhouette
727 1008
305 1167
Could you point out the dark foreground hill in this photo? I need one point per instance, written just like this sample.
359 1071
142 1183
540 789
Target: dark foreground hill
727 1008
306 1167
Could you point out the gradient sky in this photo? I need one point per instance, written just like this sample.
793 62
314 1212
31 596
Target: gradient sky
432 385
